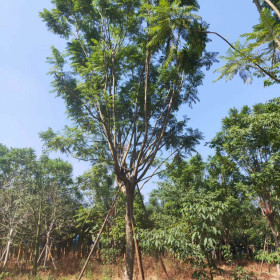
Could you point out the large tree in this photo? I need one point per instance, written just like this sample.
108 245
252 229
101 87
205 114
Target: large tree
251 139
127 69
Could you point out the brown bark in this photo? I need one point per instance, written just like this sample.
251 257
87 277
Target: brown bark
19 251
130 250
164 268
275 236
270 218
269 214
258 5
138 255
264 247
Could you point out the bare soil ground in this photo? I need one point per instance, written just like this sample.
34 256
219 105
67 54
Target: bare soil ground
69 268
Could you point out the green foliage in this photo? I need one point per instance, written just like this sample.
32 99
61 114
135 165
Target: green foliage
192 234
202 213
251 139
241 274
130 61
127 68
34 190
227 254
258 54
4 275
109 255
268 257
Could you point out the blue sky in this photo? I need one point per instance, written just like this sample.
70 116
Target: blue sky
27 106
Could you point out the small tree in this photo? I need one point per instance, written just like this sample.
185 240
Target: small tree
59 201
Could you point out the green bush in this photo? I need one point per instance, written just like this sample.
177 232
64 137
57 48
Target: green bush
241 274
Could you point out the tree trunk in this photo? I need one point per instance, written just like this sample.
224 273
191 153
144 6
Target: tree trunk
48 242
164 268
129 256
138 254
36 249
47 249
275 234
10 238
98 236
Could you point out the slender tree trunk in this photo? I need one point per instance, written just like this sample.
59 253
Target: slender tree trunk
36 249
258 5
130 250
138 254
19 251
3 254
47 249
41 254
264 247
275 234
10 238
7 253
98 236
164 268
47 252
273 230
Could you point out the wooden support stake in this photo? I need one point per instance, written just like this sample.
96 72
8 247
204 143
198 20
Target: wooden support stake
98 236
19 251
41 254
138 253
1 259
52 260
49 253
264 247
164 268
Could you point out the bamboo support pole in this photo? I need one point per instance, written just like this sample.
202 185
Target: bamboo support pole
19 251
49 253
138 254
264 247
41 254
164 268
98 236
52 260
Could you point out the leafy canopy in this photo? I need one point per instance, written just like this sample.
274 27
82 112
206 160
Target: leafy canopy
127 68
